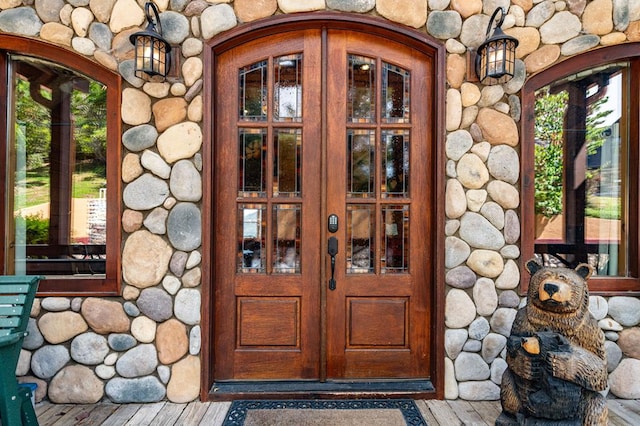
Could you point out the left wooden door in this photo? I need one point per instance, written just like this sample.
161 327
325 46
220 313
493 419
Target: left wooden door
267 209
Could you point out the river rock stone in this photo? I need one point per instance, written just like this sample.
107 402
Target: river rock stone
139 361
450 382
140 137
456 251
503 163
455 199
184 227
185 182
476 199
457 144
187 306
76 384
34 339
180 141
444 24
156 304
510 276
478 232
453 114
155 164
138 391
472 172
502 319
121 342
629 342
492 345
479 328
145 193
471 366
498 128
454 340
486 263
508 299
216 19
560 28
48 360
184 385
58 327
145 259
21 20
624 381
598 307
504 194
461 277
511 227
89 349
485 296
143 329
460 310
156 221
614 355
172 341
625 310
105 316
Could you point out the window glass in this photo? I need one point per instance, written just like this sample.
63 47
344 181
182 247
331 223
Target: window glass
581 159
57 170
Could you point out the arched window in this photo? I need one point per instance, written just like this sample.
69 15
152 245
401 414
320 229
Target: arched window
60 137
580 166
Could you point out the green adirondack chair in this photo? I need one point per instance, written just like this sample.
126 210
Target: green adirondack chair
16 298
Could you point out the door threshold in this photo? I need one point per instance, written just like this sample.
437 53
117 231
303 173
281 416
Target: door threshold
413 389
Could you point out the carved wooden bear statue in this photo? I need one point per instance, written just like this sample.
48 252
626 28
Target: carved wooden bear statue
556 361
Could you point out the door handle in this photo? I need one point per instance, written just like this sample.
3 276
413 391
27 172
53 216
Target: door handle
332 249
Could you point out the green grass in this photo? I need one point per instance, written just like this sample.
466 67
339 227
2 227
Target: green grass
88 178
603 207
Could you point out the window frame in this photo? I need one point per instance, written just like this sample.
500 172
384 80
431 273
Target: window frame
626 52
109 283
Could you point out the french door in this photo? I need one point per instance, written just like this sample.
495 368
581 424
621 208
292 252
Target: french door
322 209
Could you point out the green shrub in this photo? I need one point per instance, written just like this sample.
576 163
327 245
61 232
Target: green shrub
37 228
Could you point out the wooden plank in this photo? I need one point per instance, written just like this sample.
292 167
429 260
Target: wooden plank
215 414
443 413
43 407
122 414
632 405
169 414
98 415
146 414
426 413
193 413
71 416
466 413
54 413
488 410
622 412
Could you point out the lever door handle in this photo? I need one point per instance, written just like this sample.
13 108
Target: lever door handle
332 249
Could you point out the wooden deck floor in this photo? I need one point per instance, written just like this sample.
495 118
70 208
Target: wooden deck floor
444 413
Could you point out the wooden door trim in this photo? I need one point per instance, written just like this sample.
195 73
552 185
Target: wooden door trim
283 23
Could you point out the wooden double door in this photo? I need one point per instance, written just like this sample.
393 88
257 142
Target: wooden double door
323 143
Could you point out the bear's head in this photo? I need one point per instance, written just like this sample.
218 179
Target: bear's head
559 290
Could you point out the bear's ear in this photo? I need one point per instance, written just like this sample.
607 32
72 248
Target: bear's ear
584 270
533 266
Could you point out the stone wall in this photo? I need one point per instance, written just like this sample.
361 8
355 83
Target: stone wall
145 345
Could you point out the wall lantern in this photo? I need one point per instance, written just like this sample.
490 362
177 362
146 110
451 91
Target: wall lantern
496 56
153 52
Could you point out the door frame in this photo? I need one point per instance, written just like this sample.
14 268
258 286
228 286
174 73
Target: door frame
330 20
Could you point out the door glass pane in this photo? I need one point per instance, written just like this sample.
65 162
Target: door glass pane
395 254
361 163
581 168
395 94
252 167
287 90
395 163
251 237
361 105
360 238
287 167
286 242
253 92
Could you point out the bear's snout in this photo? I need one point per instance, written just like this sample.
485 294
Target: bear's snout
553 290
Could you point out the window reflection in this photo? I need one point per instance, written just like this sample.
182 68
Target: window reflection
287 90
253 92
251 233
286 244
581 155
360 238
395 94
361 163
58 170
361 103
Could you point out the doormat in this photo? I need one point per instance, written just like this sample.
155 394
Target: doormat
369 412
